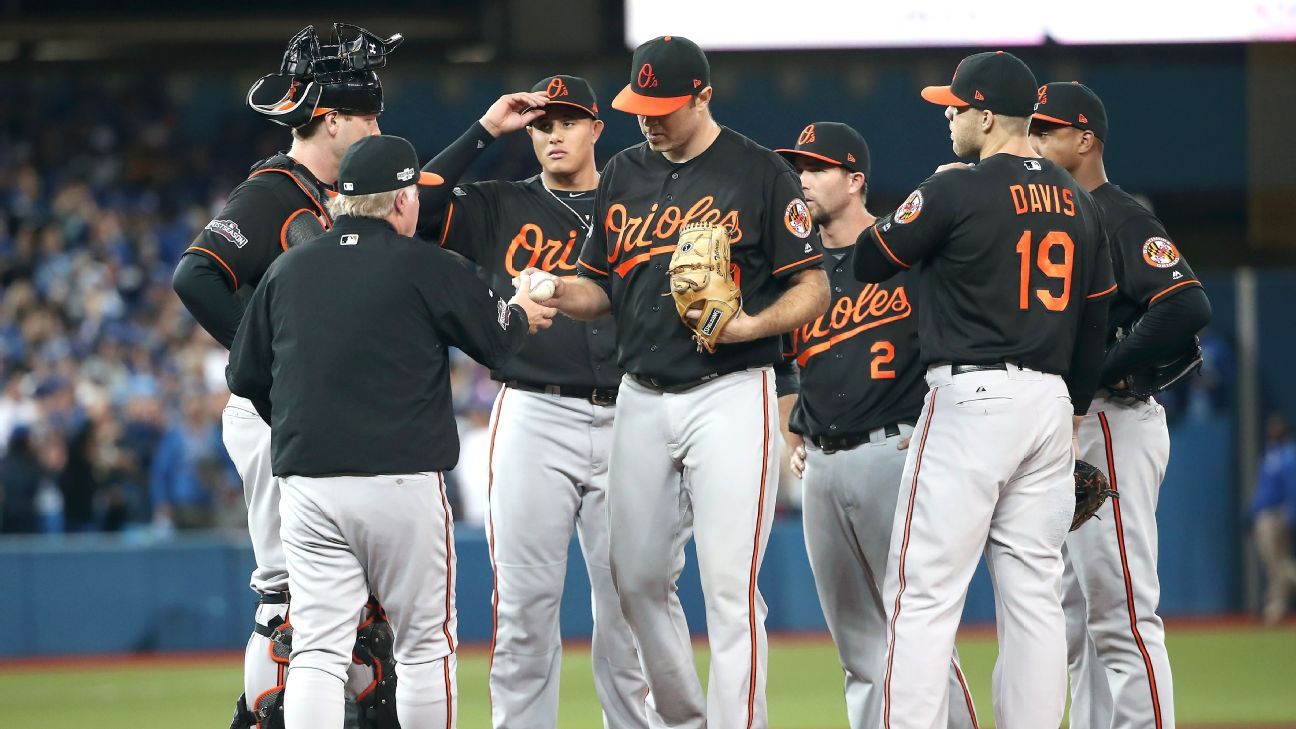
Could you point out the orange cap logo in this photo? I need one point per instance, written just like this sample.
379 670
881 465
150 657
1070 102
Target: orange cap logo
978 96
850 157
556 88
807 135
647 79
1084 119
1042 95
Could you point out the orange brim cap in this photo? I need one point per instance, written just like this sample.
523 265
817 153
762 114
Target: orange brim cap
811 155
1055 120
633 103
943 96
430 179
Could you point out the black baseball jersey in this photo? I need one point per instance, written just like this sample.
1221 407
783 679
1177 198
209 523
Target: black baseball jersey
347 339
644 200
859 362
279 205
1147 264
507 227
1007 252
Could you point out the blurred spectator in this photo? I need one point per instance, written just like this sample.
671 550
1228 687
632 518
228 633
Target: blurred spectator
1274 511
21 474
191 469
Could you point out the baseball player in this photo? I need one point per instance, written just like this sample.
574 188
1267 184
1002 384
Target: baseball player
694 450
1120 672
330 99
861 389
1013 274
551 427
360 442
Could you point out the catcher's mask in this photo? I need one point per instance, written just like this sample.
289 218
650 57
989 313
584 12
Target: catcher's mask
314 80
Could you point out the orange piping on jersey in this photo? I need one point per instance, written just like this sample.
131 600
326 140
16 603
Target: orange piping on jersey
283 231
445 232
629 263
821 347
781 269
751 579
490 525
967 695
904 551
1181 284
219 260
328 221
595 270
886 249
449 687
1129 584
1102 293
449 542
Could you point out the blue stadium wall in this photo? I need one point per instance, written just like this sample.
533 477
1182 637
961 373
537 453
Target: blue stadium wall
97 595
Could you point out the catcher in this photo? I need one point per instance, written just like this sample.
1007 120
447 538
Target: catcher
695 443
1120 671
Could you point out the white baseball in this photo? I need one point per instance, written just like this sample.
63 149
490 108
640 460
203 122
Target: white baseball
542 288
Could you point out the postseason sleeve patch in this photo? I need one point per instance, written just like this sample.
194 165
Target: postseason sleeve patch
1159 252
502 313
229 230
797 218
910 209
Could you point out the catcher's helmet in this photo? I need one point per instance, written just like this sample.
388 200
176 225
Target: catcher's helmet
320 79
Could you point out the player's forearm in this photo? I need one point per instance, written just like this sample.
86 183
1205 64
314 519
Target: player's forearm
870 265
1086 357
450 164
205 292
1159 335
582 299
804 300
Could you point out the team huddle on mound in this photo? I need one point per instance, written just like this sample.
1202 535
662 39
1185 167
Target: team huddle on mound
970 375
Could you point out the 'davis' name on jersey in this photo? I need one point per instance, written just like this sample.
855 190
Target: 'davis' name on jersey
531 249
1036 198
848 316
634 232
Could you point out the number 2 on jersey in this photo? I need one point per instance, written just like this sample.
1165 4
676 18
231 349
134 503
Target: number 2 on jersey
885 352
1047 266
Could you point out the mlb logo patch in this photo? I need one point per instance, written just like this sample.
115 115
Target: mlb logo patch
348 186
350 239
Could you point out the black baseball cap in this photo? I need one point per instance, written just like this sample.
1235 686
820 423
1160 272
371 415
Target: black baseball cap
1071 104
665 73
381 164
569 91
831 142
995 81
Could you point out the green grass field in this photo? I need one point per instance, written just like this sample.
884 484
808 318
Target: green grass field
1224 677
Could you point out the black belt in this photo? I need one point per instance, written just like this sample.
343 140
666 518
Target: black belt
593 395
274 598
962 369
834 443
652 383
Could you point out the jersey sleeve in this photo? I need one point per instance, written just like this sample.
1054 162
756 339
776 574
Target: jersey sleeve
920 227
247 234
1150 266
466 229
791 238
469 315
593 260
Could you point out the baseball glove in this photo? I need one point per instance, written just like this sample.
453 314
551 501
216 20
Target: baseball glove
702 279
1091 492
1145 384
